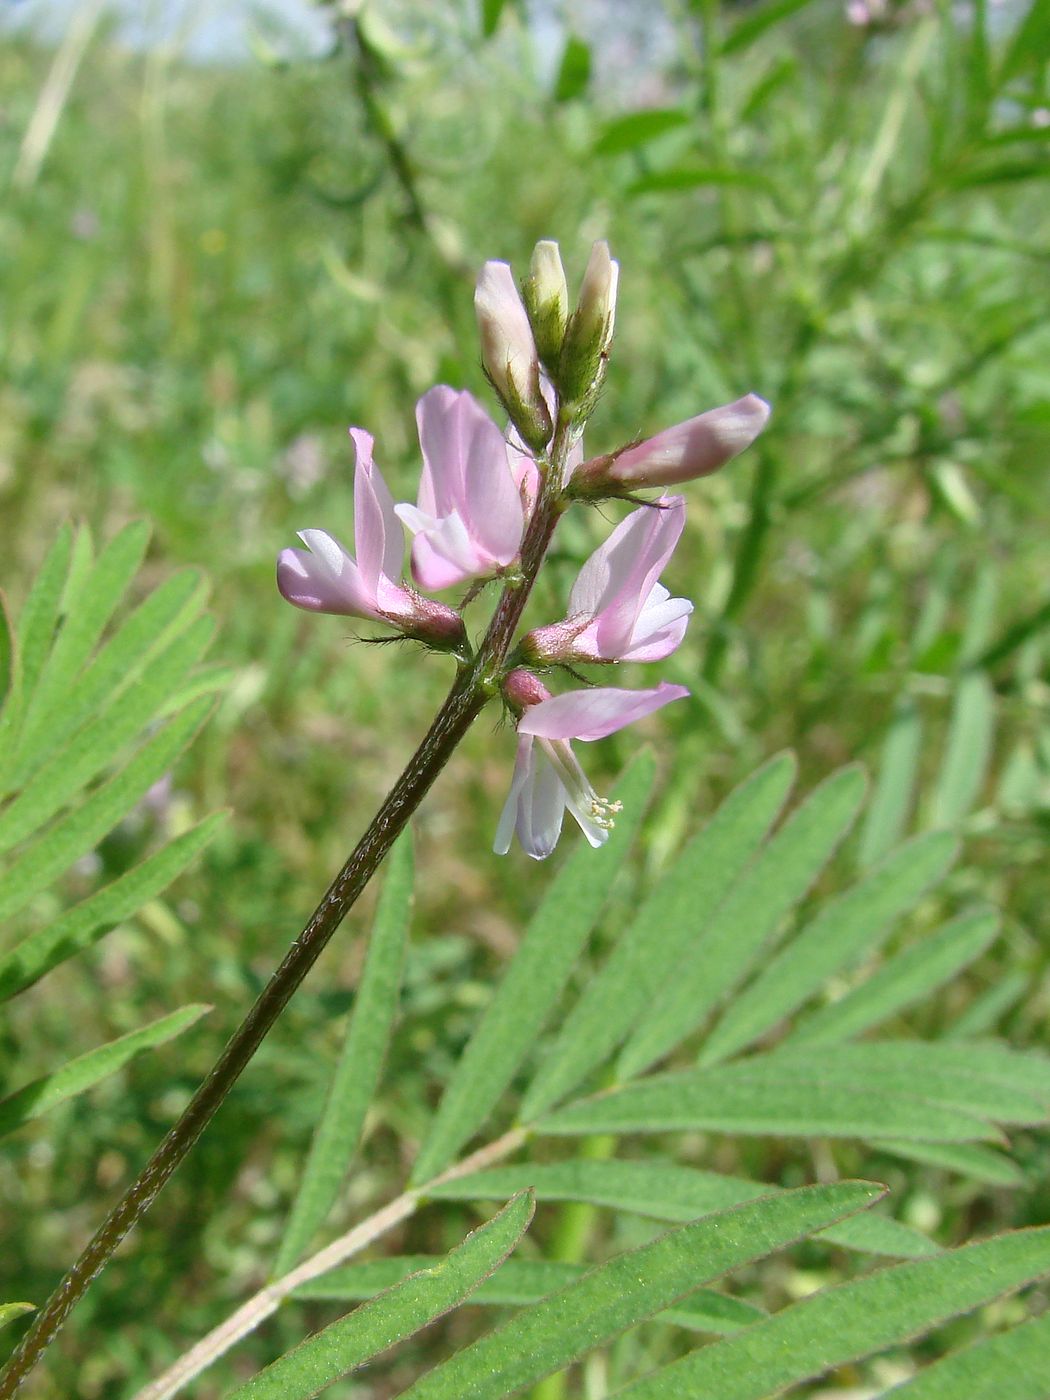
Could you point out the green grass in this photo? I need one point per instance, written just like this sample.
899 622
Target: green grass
215 272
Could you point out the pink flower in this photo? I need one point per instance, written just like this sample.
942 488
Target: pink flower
469 518
694 448
617 609
327 579
542 791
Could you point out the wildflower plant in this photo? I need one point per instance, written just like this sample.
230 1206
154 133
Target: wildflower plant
489 502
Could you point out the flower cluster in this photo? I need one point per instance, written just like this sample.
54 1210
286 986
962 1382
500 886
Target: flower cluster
483 493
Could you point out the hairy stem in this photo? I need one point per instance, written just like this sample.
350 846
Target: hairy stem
472 689
266 1302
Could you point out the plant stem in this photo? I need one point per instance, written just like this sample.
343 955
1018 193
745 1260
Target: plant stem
470 692
266 1302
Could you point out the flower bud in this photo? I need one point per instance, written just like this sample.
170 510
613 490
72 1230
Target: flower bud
694 448
508 352
522 689
581 367
547 301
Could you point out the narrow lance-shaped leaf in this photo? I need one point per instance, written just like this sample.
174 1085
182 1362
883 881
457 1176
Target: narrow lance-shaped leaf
984 1011
666 1191
520 1282
902 981
633 1286
101 742
1009 1366
747 919
360 1064
967 750
148 630
965 1158
9 1311
775 1104
842 1324
83 925
36 628
893 799
846 928
80 1074
533 982
394 1315
648 951
81 830
86 617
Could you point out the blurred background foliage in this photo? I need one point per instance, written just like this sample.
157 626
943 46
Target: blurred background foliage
210 269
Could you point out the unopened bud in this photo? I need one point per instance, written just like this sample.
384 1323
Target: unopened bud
547 301
694 448
581 367
508 352
522 689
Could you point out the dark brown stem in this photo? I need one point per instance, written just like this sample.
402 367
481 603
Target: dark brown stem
473 687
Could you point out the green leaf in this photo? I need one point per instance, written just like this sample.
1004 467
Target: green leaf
83 925
82 829
36 628
360 1065
902 981
846 928
120 662
574 71
636 129
1005 172
842 1324
666 1191
927 1069
633 1286
967 750
9 677
87 1070
647 953
396 1314
968 1159
1010 1366
88 613
533 982
98 744
747 919
1029 42
980 615
9 1311
520 1282
894 796
771 1101
984 1011
491 14
755 24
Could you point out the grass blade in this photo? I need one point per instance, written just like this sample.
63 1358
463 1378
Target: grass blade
846 928
633 1286
666 1191
521 1282
646 954
533 982
747 919
396 1314
79 832
1010 1366
854 1320
87 1070
776 1103
360 1064
83 925
902 981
